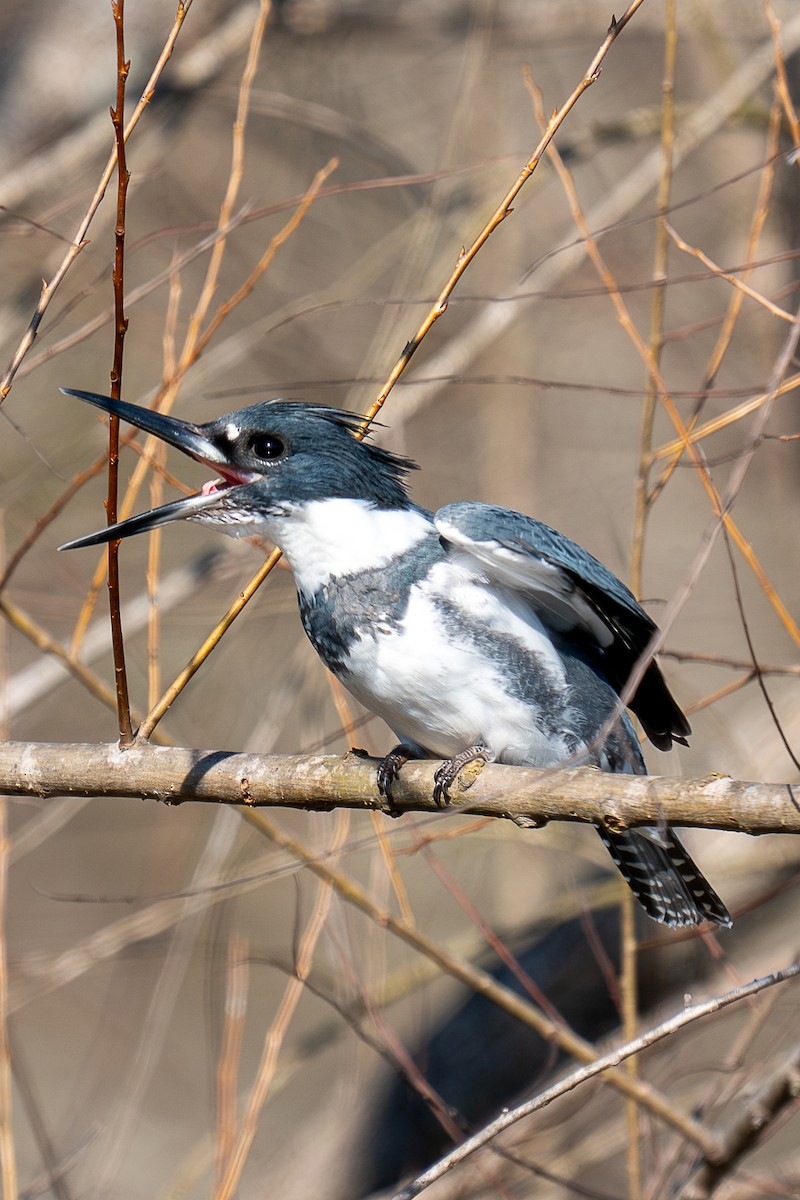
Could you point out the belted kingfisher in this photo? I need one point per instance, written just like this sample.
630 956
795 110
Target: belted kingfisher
475 632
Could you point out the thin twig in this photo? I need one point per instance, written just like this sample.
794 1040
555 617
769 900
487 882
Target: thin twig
502 211
249 590
735 305
756 1116
148 725
757 673
614 1057
49 289
714 425
28 627
782 83
482 982
721 693
464 259
341 702
230 1054
48 517
120 329
659 273
721 505
157 1022
248 214
277 1032
720 273
168 393
485 330
736 664
8 1160
643 504
196 340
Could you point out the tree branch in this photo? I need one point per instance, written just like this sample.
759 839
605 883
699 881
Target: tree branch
754 1119
614 1057
525 795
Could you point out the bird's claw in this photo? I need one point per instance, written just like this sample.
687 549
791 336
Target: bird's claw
450 769
388 770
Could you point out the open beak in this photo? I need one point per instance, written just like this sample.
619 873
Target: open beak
191 439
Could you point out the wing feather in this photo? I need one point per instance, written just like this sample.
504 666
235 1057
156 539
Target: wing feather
573 593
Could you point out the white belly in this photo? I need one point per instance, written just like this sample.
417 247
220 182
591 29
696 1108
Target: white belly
442 692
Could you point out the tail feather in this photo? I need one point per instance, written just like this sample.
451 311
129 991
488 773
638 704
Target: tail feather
663 878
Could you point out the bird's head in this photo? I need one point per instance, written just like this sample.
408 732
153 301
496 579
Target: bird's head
269 458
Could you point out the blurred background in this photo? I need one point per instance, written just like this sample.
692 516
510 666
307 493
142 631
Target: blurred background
152 950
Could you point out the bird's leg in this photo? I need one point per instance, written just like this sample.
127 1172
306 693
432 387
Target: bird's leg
391 766
448 772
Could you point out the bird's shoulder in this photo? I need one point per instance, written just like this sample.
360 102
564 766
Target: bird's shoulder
519 552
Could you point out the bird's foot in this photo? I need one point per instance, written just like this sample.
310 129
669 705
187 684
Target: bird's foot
389 769
450 769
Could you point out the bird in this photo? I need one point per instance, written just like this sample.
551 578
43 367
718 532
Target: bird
477 633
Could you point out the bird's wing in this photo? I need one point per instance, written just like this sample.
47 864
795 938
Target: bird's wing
573 594
568 586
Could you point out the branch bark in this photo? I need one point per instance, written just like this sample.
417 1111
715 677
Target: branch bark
525 795
619 1054
754 1119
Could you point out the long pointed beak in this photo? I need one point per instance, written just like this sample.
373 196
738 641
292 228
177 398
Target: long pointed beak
187 506
189 438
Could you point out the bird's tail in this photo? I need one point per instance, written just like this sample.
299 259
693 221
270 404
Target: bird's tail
663 877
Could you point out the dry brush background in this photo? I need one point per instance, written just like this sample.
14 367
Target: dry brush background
162 1041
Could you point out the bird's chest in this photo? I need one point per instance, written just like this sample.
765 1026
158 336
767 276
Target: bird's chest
347 612
368 607
444 667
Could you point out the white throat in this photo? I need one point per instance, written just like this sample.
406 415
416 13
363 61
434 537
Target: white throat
334 537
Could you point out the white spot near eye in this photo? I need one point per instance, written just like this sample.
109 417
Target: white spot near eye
232 431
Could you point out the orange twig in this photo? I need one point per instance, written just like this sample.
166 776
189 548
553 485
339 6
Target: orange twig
277 1032
464 259
502 211
720 505
79 241
737 298
250 589
629 988
782 82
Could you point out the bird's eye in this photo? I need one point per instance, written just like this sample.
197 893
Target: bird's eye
267 446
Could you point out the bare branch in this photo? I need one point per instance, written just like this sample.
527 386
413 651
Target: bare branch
526 795
79 241
693 1013
120 329
503 210
756 1114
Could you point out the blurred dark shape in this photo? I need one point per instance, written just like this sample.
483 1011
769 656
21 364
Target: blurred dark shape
480 1058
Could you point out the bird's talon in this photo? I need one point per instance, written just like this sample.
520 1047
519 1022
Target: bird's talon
451 768
389 769
441 793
